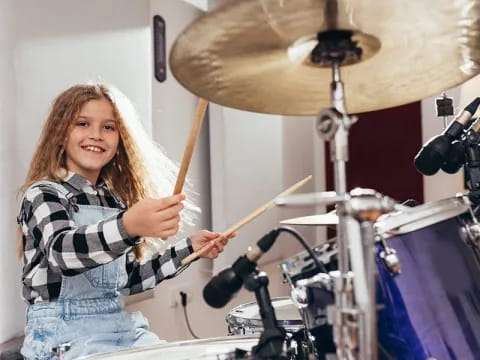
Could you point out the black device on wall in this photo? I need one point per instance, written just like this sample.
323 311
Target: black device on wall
159 53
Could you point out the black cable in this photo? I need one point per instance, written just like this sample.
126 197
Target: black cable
302 241
183 295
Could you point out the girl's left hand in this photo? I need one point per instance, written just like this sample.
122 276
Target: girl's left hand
203 237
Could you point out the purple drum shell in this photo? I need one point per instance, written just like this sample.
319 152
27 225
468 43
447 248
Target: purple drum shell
432 309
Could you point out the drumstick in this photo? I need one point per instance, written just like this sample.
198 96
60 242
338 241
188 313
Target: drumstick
192 139
187 155
244 221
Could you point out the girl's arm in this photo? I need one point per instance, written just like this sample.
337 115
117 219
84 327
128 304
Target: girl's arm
70 249
146 275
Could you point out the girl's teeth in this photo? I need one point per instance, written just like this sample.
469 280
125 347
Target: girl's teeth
93 148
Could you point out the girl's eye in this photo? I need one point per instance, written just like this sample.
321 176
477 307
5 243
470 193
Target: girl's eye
82 123
109 127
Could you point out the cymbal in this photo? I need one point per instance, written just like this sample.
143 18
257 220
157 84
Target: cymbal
254 54
323 219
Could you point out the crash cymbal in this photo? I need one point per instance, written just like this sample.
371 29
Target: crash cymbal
323 219
255 54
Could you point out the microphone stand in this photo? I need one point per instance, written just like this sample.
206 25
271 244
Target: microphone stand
270 345
472 165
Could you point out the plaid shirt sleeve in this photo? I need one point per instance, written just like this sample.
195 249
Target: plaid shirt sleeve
146 275
70 249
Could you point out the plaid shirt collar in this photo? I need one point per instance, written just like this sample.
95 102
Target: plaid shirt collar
80 183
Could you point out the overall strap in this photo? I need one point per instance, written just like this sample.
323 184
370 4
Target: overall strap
117 199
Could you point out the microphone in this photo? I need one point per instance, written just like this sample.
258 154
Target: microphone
432 155
455 158
223 286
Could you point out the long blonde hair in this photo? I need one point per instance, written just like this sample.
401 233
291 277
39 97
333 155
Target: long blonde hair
142 168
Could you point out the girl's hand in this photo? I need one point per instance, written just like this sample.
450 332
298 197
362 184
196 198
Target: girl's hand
203 237
154 217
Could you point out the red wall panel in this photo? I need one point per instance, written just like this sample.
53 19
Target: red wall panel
382 145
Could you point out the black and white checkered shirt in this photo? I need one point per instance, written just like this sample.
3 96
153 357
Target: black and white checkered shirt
54 245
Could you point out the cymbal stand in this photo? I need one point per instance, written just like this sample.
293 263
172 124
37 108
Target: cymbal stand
354 327
333 125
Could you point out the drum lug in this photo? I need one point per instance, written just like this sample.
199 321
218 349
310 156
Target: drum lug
473 231
391 261
389 257
299 293
323 280
300 297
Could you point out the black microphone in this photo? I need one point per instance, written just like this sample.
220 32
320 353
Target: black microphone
455 158
223 286
432 155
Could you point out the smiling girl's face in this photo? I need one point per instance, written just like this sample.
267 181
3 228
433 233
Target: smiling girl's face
93 139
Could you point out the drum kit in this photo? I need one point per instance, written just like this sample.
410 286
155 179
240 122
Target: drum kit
400 282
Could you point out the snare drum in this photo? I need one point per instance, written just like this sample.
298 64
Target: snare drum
222 348
245 319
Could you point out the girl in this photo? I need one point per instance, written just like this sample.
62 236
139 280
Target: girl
96 188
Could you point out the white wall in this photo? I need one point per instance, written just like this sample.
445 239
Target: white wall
11 308
246 156
254 158
61 43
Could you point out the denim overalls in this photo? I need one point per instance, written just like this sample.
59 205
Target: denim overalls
89 313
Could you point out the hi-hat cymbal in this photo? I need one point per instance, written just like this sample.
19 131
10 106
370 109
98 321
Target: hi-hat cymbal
323 219
253 54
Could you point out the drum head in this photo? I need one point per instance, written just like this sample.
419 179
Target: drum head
421 216
221 348
247 316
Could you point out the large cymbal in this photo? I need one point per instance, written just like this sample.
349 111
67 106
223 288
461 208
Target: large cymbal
253 54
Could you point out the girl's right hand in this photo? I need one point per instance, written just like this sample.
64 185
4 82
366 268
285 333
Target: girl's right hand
154 217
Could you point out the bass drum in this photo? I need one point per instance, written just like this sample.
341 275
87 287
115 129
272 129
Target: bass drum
431 308
222 348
